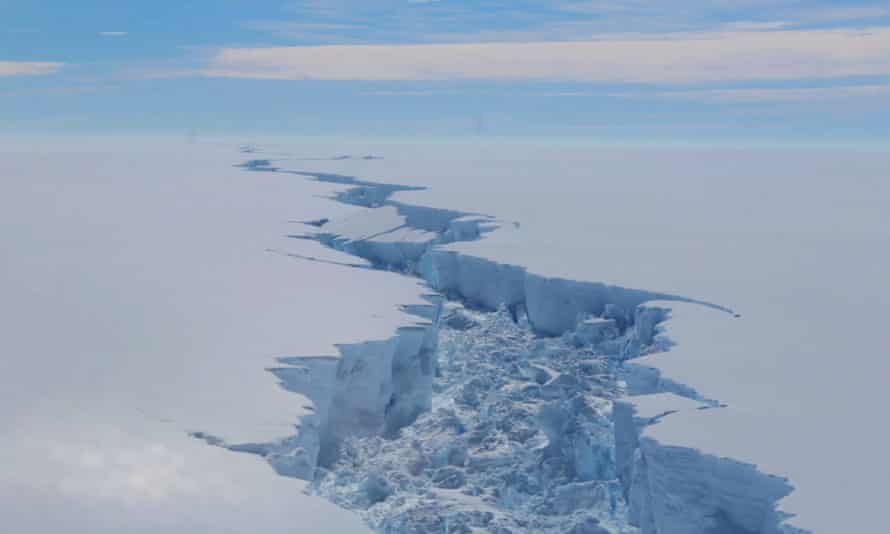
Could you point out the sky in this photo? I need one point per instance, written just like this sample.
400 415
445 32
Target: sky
684 71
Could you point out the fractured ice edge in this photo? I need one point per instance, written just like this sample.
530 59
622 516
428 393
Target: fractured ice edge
512 405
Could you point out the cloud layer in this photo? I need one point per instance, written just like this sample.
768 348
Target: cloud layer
29 68
665 58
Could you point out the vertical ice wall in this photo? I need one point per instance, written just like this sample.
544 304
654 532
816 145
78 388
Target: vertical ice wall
376 387
680 490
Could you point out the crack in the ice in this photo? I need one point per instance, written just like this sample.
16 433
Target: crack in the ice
293 456
318 260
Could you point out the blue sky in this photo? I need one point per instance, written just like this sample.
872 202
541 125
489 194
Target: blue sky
628 70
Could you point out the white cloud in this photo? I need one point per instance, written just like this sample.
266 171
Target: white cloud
407 93
756 26
735 94
113 34
842 14
29 68
789 94
665 58
791 10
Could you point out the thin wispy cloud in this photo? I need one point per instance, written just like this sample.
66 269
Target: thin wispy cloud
735 94
406 21
837 14
695 12
58 90
408 93
676 58
113 34
756 26
29 68
785 94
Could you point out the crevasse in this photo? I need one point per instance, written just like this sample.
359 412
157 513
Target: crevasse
530 419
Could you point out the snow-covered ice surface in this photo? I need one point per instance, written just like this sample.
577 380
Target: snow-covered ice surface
145 291
717 366
793 241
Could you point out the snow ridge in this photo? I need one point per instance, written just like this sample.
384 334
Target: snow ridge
499 426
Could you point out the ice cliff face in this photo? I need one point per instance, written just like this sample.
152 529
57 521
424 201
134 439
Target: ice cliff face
506 408
679 490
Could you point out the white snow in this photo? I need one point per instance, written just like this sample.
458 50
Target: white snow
145 292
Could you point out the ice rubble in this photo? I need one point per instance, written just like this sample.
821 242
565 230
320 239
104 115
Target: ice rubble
518 439
474 422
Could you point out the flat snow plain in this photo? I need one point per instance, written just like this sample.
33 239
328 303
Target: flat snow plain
145 290
794 240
